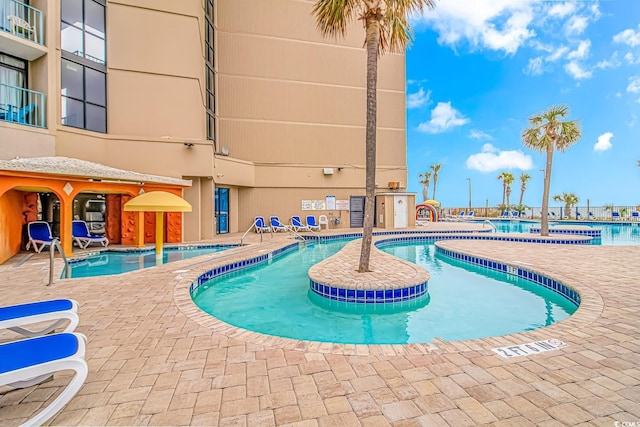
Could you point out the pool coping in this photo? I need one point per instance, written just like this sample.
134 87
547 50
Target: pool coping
591 306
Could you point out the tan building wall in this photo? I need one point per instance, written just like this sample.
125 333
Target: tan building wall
289 104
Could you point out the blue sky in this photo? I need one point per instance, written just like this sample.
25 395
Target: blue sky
478 69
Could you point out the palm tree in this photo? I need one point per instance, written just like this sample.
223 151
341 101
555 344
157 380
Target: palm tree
503 177
435 169
524 177
425 178
508 180
547 134
569 200
386 29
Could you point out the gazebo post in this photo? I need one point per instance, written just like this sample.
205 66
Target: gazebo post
139 238
159 236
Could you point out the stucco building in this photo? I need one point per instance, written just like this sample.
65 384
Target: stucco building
242 98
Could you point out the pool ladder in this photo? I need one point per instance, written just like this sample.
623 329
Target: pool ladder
249 229
55 244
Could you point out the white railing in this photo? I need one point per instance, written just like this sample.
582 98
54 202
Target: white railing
23 106
21 20
55 244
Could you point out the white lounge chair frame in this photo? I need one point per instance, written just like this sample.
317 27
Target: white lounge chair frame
35 242
279 227
35 374
83 242
59 317
301 226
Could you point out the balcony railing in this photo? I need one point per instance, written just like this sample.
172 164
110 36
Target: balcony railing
21 20
23 106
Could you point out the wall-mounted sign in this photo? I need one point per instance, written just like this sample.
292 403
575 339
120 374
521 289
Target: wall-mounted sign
530 348
307 205
319 205
342 205
331 203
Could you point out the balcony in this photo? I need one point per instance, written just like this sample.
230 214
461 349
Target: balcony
22 106
21 30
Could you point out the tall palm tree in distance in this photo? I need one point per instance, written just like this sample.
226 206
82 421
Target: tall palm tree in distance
503 177
508 180
435 168
569 200
425 179
386 29
547 134
524 177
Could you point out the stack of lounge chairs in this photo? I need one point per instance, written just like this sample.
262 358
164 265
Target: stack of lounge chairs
28 362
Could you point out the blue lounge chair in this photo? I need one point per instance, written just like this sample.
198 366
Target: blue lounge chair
515 214
261 226
14 317
312 224
19 115
591 215
615 215
276 225
82 236
470 214
297 224
28 362
505 214
39 235
635 215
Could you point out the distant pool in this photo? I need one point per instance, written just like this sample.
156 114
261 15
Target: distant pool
116 262
612 234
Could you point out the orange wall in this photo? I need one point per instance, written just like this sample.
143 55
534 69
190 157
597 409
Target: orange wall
11 221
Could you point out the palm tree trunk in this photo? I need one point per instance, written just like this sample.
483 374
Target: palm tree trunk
372 41
544 223
435 182
504 195
522 188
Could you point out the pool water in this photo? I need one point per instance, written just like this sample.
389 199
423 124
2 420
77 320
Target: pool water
464 302
112 262
612 234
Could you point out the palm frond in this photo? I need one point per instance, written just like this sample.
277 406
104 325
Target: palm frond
333 16
569 134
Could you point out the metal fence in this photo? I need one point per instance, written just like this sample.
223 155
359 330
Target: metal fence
601 213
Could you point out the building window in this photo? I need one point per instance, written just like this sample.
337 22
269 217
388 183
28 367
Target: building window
13 71
84 74
210 70
84 97
82 30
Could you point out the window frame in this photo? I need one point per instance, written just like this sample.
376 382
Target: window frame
102 3
210 72
84 94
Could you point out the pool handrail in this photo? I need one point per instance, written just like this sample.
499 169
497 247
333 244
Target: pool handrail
253 225
55 244
492 225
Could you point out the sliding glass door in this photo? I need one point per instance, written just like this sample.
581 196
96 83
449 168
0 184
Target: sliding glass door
222 210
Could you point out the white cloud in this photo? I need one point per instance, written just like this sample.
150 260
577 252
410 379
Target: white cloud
634 84
576 25
443 118
478 134
577 71
628 37
604 142
581 52
491 159
418 99
557 53
495 25
612 62
535 67
561 10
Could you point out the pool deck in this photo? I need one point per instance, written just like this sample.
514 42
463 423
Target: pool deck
155 359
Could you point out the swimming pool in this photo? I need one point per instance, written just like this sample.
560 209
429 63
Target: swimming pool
464 301
612 234
115 262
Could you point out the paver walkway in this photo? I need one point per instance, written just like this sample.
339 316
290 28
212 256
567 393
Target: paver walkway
151 363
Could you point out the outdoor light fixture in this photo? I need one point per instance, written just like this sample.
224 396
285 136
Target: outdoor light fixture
189 144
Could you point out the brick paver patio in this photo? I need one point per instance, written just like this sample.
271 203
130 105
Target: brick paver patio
154 359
